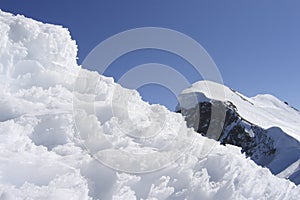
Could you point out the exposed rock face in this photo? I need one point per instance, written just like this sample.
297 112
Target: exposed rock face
254 140
266 129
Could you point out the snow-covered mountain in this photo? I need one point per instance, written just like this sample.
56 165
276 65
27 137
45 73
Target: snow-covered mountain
68 133
267 129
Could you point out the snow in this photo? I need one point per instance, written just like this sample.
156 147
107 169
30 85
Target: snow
101 141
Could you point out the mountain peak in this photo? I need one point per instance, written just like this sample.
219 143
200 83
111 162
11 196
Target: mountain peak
263 110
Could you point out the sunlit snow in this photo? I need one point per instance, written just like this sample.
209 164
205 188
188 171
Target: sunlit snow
43 152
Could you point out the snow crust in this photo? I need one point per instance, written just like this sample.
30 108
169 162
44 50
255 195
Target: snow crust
43 152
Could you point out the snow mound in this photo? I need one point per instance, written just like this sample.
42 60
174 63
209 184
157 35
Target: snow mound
31 50
52 138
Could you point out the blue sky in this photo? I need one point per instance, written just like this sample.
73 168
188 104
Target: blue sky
255 44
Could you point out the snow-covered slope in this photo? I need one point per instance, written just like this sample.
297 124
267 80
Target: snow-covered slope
52 136
263 126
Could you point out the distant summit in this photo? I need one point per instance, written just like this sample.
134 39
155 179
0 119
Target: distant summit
265 128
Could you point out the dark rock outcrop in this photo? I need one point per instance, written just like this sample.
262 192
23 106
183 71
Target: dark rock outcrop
235 130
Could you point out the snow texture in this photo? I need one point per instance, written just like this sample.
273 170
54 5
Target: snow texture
42 146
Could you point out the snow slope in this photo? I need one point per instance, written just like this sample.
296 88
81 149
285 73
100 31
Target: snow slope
52 136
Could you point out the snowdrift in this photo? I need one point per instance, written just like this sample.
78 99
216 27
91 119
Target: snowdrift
55 140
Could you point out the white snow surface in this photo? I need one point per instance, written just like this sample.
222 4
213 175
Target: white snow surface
263 110
42 153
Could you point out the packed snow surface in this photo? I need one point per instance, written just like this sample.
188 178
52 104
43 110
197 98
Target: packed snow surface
60 143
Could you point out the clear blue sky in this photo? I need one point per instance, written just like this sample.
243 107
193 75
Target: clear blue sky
255 43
